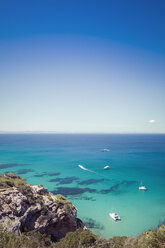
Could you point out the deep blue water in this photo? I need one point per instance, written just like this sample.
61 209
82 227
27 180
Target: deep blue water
52 160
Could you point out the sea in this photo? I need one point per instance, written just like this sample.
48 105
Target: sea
73 165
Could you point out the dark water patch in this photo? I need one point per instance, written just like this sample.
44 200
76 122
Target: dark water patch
90 181
91 223
47 174
53 174
24 171
86 198
118 188
65 180
80 197
111 189
66 191
39 175
5 166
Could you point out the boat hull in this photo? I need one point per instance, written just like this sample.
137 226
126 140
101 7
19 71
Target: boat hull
142 188
114 216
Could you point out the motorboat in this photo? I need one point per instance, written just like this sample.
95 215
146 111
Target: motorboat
106 167
106 150
142 188
114 216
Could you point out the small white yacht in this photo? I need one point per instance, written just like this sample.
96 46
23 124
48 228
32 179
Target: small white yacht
106 167
114 216
142 188
106 150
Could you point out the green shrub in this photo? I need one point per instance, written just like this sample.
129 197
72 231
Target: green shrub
25 240
76 239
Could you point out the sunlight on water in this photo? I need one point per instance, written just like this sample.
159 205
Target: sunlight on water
73 165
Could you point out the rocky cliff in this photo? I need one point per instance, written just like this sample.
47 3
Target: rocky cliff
24 207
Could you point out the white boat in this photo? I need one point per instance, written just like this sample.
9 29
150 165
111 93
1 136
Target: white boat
114 216
142 188
106 150
106 167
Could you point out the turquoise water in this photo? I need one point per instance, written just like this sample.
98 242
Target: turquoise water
52 160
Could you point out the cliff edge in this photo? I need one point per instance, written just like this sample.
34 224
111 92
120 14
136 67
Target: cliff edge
24 207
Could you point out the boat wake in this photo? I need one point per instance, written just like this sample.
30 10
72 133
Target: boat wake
99 174
83 168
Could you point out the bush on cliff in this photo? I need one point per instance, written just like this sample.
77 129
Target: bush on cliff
25 240
77 239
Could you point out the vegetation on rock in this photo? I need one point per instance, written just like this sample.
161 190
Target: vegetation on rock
26 207
82 239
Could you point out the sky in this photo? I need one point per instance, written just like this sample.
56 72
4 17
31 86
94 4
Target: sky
82 66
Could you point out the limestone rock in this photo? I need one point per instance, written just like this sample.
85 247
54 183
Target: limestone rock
25 207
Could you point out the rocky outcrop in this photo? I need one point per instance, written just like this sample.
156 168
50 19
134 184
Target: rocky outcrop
24 207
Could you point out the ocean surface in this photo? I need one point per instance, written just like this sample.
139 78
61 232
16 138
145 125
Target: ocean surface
52 160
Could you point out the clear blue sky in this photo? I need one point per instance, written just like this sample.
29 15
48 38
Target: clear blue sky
82 66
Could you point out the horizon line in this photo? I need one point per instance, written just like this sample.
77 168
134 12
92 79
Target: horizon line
55 132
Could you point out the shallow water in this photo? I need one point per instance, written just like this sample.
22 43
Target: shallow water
52 160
